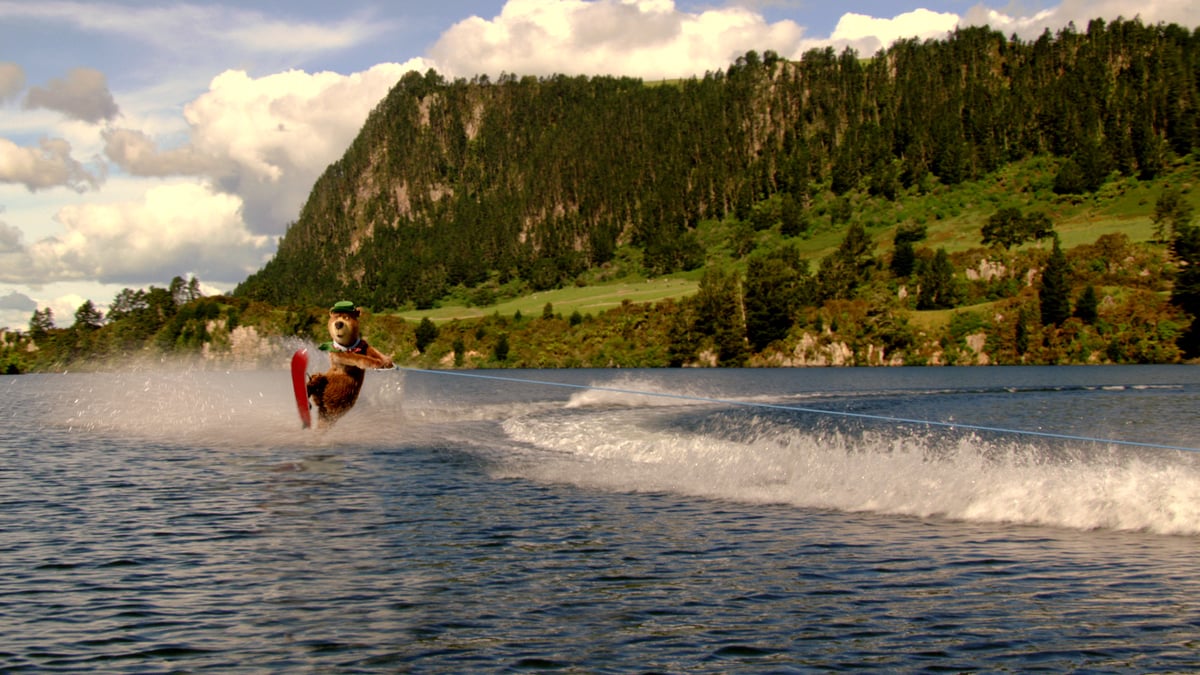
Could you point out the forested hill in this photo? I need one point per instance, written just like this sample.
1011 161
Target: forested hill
465 182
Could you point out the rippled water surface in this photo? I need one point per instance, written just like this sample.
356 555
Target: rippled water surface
667 521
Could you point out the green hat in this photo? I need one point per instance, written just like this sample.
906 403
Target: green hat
343 307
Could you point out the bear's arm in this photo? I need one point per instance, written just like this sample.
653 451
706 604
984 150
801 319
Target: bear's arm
372 359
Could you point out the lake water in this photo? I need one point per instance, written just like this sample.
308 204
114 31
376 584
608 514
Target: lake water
705 521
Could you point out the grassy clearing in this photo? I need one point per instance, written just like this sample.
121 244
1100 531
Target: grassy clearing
585 300
935 319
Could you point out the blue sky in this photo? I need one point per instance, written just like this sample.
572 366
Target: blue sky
143 140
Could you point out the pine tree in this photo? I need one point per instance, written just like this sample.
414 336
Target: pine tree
87 317
1087 307
719 315
500 351
1172 214
904 259
843 270
426 333
1054 293
41 323
1021 333
904 255
1186 294
776 286
938 287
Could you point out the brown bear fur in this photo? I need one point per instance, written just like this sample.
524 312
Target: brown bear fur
335 391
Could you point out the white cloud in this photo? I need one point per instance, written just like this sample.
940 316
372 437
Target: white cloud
176 229
47 166
868 34
264 139
651 39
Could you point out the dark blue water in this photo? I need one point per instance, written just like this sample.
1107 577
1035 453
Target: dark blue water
645 521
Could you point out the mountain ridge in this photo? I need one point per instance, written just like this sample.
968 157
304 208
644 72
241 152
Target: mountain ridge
534 181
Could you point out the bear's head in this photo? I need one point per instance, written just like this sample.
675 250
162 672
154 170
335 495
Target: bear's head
343 324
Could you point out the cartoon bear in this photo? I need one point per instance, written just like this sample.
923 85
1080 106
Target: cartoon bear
335 391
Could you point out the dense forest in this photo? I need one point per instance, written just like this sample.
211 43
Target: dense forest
476 184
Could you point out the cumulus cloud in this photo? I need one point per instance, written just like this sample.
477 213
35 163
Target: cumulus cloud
264 139
651 39
82 95
868 34
12 81
175 229
46 166
139 155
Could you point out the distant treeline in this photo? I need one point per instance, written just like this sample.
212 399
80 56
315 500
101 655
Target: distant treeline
534 181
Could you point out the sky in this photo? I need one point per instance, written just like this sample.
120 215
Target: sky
142 140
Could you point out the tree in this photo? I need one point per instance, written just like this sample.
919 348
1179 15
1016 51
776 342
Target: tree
904 259
1186 293
843 270
719 315
87 317
776 286
1054 292
126 304
179 291
904 256
1021 333
792 218
41 323
1009 227
938 287
1172 214
426 333
500 351
1087 307
1070 179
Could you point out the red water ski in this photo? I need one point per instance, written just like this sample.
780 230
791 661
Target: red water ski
299 385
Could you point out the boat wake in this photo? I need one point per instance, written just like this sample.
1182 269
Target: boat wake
713 451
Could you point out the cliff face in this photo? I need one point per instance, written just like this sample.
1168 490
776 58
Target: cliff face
460 183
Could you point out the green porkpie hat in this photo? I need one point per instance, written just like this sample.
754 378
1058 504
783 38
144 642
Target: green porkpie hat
343 307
